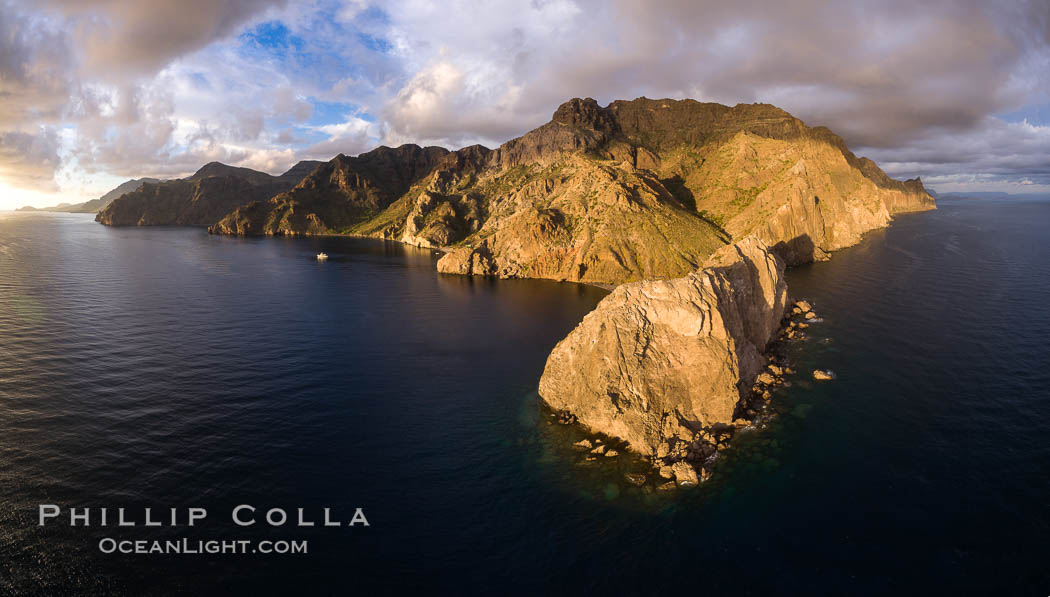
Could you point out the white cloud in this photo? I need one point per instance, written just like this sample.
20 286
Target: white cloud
994 150
351 137
147 87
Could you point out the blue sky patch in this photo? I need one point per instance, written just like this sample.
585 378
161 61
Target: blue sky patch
1036 114
274 36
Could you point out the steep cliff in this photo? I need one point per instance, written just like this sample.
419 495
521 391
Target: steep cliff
199 200
662 363
574 218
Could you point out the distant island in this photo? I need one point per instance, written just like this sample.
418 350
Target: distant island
991 195
690 210
94 205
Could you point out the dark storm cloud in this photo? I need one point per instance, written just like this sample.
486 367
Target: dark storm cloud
988 152
882 74
142 36
157 87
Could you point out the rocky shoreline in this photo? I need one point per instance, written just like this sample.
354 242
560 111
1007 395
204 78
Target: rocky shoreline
663 364
689 464
643 198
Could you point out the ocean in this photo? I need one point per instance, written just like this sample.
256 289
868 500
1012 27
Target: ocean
166 368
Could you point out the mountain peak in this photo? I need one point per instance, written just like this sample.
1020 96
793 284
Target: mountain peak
213 169
584 113
301 169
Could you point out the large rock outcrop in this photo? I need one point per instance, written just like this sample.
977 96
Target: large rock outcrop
658 363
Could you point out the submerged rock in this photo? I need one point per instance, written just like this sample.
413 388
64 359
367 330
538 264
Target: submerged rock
657 361
635 478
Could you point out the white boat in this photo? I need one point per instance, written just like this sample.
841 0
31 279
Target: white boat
322 256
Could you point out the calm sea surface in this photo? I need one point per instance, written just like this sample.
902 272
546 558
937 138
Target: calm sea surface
169 368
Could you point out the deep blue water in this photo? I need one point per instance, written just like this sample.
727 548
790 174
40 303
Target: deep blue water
169 368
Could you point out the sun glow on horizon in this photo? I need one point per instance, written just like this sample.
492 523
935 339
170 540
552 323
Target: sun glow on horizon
12 198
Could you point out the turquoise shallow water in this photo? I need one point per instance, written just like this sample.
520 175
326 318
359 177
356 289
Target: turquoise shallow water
166 367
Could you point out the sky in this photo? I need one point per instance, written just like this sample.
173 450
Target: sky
95 92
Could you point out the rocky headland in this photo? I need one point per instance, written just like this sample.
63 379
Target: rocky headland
661 363
690 210
674 368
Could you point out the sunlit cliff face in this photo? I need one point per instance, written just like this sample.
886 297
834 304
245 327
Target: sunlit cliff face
97 92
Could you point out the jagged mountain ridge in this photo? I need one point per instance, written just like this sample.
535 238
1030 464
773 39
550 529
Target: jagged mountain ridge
201 199
337 194
638 189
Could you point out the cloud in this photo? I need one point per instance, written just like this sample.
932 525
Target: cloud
475 68
993 151
351 137
140 37
883 75
915 85
29 160
439 104
150 87
36 71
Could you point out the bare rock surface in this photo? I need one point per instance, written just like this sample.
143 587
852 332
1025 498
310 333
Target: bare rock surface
658 361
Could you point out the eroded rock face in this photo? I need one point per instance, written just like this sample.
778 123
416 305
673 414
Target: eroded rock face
584 221
658 361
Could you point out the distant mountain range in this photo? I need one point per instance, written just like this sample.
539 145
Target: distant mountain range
199 200
94 205
636 189
991 195
187 201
